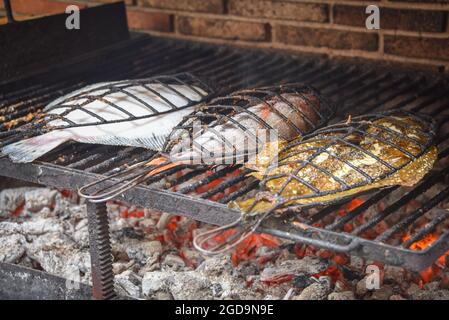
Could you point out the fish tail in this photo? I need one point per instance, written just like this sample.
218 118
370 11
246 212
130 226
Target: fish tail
30 149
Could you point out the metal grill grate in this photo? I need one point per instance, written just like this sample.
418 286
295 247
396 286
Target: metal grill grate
57 114
358 89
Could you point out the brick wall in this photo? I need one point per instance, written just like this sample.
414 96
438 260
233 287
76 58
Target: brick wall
414 33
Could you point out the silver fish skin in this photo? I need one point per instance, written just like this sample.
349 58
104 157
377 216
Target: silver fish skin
207 144
149 132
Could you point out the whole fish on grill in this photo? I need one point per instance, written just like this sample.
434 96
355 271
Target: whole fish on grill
212 134
288 110
138 113
338 161
335 162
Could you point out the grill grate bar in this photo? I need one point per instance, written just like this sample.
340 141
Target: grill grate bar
121 155
227 184
186 177
216 175
102 152
339 223
427 229
414 216
59 87
138 155
421 188
253 185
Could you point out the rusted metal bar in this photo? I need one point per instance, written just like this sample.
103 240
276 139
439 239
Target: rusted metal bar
100 252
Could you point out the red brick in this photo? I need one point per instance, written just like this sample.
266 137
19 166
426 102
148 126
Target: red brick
212 6
142 20
41 7
330 38
128 2
280 10
222 29
402 19
417 47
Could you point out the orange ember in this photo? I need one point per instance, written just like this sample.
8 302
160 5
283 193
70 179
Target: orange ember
350 206
18 210
331 272
247 249
132 214
428 274
217 182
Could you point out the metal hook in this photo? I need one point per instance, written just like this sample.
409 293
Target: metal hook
128 179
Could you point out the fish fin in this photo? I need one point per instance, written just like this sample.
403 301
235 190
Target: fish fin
156 142
30 149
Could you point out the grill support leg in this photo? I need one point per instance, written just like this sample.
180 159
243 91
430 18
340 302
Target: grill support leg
100 251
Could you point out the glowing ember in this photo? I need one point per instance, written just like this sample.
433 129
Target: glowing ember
132 214
18 210
246 250
350 206
331 272
428 274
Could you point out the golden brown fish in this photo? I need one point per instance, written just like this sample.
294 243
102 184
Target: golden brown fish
341 160
367 152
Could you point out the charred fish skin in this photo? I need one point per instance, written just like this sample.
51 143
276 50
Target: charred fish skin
342 160
289 111
123 113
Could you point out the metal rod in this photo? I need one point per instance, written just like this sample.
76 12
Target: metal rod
8 9
414 216
100 252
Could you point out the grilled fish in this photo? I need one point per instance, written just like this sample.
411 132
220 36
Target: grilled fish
368 152
338 161
225 125
138 113
290 111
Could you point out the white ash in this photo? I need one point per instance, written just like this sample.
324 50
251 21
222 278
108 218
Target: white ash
41 228
343 295
12 247
307 265
214 279
316 291
128 284
431 295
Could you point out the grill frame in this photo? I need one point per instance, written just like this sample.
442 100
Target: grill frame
143 47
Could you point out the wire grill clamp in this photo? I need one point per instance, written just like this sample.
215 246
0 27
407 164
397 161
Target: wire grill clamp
57 114
320 167
220 111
